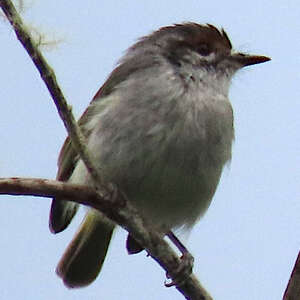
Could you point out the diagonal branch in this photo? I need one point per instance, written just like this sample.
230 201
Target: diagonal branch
114 204
292 291
119 211
48 76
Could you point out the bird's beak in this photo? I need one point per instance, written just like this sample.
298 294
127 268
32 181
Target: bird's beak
248 60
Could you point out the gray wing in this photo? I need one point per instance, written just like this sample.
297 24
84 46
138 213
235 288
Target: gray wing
63 211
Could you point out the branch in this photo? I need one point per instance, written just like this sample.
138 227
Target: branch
119 210
117 207
292 291
48 76
114 204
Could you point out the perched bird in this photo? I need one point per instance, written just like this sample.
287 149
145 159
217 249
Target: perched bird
161 129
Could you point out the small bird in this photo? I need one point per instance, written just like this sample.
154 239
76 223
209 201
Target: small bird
161 129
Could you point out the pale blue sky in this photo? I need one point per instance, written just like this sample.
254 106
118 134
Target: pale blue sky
247 243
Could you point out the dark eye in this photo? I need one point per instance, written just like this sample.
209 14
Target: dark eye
203 50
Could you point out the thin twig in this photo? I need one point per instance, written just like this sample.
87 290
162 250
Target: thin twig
48 76
120 212
117 208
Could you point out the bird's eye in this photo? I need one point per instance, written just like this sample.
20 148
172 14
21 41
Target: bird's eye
203 50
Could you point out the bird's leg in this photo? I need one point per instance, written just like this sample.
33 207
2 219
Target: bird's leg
187 262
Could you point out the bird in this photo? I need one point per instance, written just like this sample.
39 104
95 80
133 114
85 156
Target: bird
161 129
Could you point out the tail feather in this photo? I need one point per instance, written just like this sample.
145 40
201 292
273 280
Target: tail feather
84 257
61 214
132 245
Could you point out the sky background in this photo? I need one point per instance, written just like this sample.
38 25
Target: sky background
247 243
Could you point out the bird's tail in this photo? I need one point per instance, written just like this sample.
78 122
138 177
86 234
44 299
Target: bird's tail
84 257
